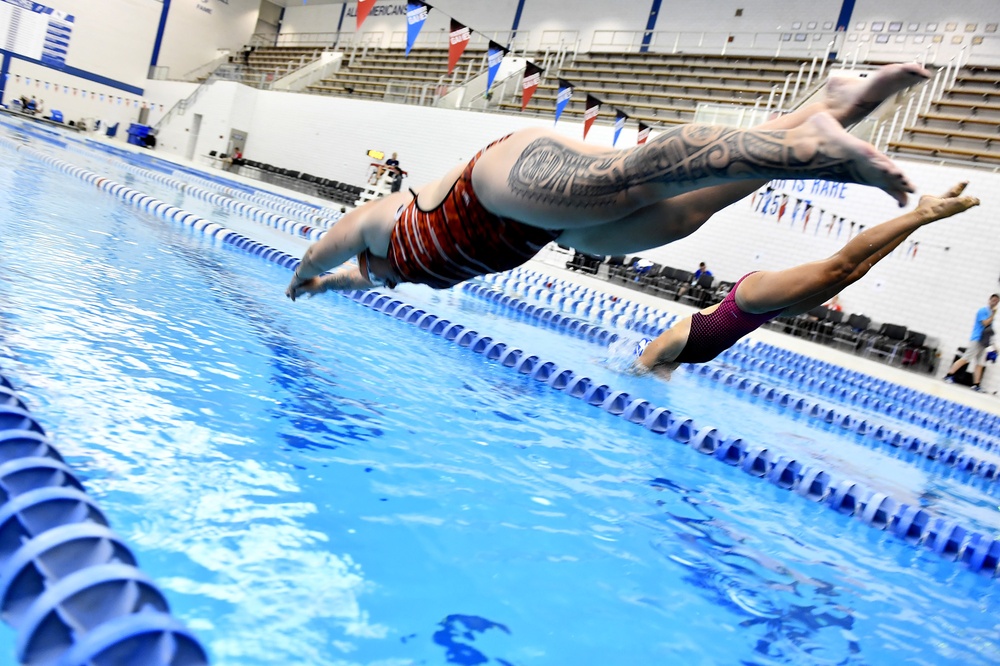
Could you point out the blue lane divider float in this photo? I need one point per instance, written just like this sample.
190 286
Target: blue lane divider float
979 428
978 551
876 435
69 585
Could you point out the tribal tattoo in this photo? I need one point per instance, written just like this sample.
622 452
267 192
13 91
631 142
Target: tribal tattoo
549 172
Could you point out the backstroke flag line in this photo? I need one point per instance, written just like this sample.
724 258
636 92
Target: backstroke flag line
458 39
364 7
416 14
620 118
562 97
532 77
590 113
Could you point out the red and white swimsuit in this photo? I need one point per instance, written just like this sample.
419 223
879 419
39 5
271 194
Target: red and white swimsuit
457 240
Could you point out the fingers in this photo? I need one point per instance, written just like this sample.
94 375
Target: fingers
956 190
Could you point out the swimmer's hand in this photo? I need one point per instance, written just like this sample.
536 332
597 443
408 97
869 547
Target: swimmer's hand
298 287
343 280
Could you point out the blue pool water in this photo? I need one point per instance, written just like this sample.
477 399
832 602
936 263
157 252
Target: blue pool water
317 483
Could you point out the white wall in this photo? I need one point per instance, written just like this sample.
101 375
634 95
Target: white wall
545 19
197 29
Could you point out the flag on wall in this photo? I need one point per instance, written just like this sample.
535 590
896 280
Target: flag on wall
590 113
562 97
532 77
620 118
494 56
416 15
643 134
458 39
364 7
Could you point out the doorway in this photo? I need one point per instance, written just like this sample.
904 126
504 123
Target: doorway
193 136
237 139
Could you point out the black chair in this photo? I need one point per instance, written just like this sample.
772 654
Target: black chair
852 333
664 281
807 324
916 353
700 292
213 153
887 343
824 330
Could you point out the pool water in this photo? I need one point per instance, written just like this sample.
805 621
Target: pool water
317 483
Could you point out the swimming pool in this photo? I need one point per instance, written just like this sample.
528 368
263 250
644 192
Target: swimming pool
317 483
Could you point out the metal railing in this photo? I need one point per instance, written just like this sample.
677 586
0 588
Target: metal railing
515 40
776 43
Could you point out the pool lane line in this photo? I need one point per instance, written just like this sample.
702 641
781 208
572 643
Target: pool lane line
986 423
807 379
883 435
913 524
69 585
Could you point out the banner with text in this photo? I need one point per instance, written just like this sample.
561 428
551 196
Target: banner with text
416 15
458 39
494 56
590 113
563 97
532 77
620 118
643 133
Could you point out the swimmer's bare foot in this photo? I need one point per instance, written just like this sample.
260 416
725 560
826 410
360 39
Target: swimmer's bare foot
950 203
849 100
838 156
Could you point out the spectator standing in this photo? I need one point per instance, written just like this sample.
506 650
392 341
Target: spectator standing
975 351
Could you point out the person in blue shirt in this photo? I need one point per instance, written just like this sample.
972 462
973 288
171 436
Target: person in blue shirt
982 330
702 270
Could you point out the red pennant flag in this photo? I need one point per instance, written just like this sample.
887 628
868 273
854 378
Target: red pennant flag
364 7
590 113
458 39
643 134
532 77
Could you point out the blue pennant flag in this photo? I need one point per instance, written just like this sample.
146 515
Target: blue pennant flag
494 56
416 14
562 97
620 118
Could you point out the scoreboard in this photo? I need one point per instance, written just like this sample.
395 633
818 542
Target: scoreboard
35 31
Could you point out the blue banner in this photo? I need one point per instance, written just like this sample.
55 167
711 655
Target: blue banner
562 97
494 56
620 119
416 14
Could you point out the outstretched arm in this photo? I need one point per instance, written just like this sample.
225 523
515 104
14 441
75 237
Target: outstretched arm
367 227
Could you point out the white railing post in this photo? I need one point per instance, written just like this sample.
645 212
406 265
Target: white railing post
812 70
784 90
906 116
798 81
826 57
770 98
892 128
878 138
677 41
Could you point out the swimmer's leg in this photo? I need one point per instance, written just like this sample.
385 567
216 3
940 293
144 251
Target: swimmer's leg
799 289
662 222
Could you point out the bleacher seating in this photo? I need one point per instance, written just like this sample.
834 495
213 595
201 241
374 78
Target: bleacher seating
962 123
662 88
370 77
266 64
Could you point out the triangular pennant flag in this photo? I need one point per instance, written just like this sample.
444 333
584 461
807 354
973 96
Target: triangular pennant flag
532 77
590 113
563 97
494 56
643 133
364 7
620 118
416 15
458 39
